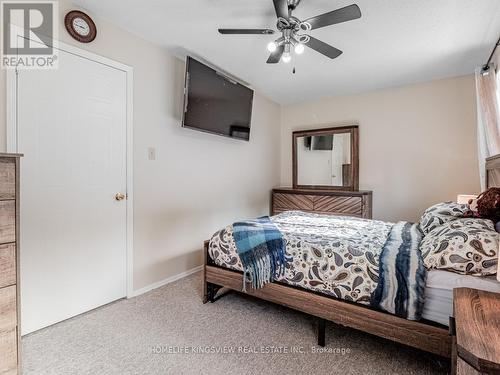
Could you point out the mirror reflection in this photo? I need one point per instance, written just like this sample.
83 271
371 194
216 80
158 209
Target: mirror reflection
324 160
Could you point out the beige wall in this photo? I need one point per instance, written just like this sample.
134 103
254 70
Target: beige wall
417 143
199 182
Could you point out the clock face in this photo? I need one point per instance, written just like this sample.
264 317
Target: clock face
81 26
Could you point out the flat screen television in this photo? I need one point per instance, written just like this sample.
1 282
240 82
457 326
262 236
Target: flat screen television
215 103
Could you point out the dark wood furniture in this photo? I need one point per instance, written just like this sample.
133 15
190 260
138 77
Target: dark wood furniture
9 265
476 332
345 203
350 170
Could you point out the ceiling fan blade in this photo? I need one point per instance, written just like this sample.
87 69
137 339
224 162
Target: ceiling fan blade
281 7
345 14
323 48
246 31
275 57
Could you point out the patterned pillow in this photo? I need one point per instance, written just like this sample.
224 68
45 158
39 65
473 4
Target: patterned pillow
441 213
467 246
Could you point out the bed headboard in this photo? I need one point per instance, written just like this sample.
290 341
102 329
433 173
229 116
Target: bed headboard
493 171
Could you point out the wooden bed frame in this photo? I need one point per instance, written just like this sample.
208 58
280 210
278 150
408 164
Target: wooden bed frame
427 336
424 335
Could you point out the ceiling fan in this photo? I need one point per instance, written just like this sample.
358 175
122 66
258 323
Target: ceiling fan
291 28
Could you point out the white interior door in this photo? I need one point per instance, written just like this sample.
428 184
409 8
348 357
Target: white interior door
72 131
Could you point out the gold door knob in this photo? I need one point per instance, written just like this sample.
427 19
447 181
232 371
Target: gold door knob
120 196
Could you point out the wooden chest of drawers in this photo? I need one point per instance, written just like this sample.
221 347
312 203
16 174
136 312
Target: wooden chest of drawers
342 203
9 255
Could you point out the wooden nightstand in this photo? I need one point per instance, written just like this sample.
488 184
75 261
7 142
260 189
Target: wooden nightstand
476 332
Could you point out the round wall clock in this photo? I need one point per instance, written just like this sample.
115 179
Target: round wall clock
80 26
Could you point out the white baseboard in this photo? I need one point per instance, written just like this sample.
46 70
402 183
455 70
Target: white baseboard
166 281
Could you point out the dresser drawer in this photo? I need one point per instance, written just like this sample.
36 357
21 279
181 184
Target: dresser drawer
7 178
290 202
7 265
340 203
350 206
7 221
8 310
8 352
9 192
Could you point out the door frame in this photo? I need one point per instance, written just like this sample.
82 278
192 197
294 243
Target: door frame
12 96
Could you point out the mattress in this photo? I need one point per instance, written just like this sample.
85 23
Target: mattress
438 306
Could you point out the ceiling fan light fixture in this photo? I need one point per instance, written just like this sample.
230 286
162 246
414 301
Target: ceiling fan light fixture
291 27
299 49
271 47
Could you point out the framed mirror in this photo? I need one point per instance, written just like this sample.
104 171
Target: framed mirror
326 159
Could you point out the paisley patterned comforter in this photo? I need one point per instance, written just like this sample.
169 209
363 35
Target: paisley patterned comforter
364 261
334 255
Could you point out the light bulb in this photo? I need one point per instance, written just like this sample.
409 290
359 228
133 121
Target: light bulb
286 57
299 49
271 47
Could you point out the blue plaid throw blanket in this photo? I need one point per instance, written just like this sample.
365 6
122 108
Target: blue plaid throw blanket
402 274
261 249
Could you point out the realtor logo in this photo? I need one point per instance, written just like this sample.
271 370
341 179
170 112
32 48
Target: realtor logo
29 34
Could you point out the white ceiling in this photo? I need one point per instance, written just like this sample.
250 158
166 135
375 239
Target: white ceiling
396 42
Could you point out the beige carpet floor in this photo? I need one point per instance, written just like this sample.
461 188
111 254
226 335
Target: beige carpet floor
166 330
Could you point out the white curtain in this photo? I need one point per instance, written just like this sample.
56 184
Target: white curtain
488 118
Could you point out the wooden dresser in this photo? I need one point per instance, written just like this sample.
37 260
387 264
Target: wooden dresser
9 265
333 202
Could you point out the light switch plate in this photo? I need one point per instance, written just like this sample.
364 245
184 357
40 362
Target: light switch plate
151 153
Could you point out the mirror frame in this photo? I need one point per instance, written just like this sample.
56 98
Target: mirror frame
354 131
